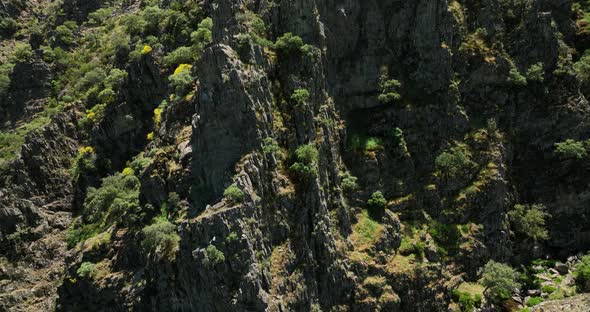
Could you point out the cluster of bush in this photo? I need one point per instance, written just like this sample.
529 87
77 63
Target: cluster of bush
572 149
306 162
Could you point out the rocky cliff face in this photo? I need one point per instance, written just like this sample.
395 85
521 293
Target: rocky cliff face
300 155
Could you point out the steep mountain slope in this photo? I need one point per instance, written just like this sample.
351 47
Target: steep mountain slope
302 155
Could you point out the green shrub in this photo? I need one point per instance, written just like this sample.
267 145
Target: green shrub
64 35
455 162
181 79
306 161
529 220
91 79
536 73
571 149
582 274
288 43
373 144
231 238
79 233
234 193
84 163
499 281
115 202
548 289
349 182
213 257
93 116
152 15
182 55
310 51
99 16
377 201
300 97
533 301
253 22
139 163
22 53
115 78
107 96
419 249
467 302
134 24
475 43
161 239
364 144
307 154
86 269
516 78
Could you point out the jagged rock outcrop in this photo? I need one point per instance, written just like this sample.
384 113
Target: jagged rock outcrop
30 84
35 211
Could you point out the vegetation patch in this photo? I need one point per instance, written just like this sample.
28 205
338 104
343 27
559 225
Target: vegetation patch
529 220
366 232
306 161
161 239
234 194
365 145
213 256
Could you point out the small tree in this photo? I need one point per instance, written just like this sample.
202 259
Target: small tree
529 220
161 239
213 256
454 162
499 281
234 194
288 43
306 157
376 203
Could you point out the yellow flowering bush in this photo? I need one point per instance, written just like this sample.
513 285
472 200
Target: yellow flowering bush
150 136
181 68
86 150
91 116
181 79
127 172
146 49
158 116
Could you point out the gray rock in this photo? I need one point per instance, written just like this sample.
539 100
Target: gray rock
562 268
